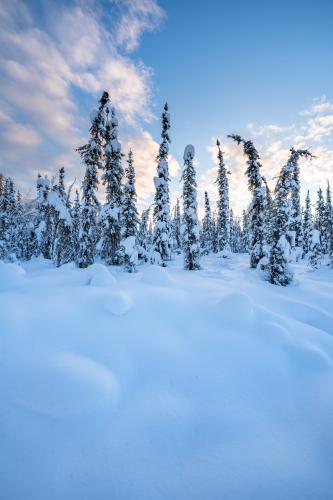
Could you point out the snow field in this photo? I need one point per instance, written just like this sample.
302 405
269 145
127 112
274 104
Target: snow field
165 384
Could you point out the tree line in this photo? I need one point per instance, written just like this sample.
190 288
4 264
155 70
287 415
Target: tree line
275 230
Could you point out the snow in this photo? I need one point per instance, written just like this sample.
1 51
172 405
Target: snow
188 152
165 384
315 236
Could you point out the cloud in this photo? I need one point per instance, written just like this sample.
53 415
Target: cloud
145 150
141 15
312 129
45 71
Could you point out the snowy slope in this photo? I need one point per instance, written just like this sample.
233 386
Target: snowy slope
165 384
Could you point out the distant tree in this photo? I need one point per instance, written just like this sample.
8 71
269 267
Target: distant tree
316 253
144 236
296 212
320 211
268 216
176 228
327 222
257 207
245 232
129 211
223 215
44 222
162 244
307 227
129 216
191 232
76 217
207 243
62 248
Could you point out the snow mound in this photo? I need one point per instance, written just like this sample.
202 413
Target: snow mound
69 384
11 275
156 275
236 310
99 275
309 357
303 354
118 303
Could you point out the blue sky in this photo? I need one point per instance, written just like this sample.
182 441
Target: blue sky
261 68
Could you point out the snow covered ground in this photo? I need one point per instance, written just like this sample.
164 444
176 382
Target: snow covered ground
165 384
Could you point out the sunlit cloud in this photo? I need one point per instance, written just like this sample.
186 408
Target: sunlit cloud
42 70
313 129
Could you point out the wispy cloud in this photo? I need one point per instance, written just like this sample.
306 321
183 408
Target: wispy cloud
44 69
313 129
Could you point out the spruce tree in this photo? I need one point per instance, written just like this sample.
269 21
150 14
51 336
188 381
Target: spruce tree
91 154
144 236
307 227
268 216
176 228
129 217
207 228
191 231
245 232
320 211
62 248
232 231
327 222
112 179
76 217
223 216
316 253
278 272
162 203
129 211
257 207
296 214
44 222
8 221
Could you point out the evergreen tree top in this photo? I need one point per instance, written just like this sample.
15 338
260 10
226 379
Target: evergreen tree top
105 98
295 154
249 148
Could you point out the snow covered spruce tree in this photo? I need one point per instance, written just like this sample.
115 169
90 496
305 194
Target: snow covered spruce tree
144 236
112 179
245 232
91 154
76 217
307 227
62 248
257 206
278 272
320 210
207 229
8 222
191 231
129 217
296 213
284 216
268 217
223 215
162 244
176 228
316 253
44 222
328 221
